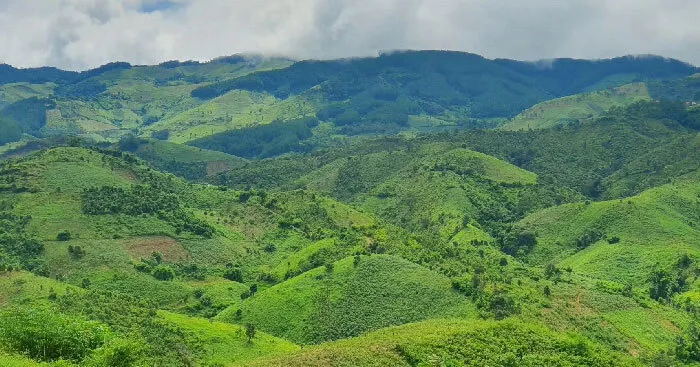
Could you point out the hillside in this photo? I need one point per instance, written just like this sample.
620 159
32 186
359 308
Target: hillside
653 229
452 342
413 209
184 102
577 108
355 295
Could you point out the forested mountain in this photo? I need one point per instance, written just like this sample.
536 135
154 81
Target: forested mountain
415 209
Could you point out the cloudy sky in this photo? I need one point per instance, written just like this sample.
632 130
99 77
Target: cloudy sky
79 34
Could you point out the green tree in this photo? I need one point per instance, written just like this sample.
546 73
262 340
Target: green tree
688 345
250 332
163 272
234 275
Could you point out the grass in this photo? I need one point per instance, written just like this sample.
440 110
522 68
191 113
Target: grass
454 343
25 288
576 108
14 92
234 110
225 343
352 299
656 226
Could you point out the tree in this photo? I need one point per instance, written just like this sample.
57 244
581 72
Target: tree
547 291
234 275
86 283
688 345
550 271
503 305
250 332
518 242
76 252
129 143
163 272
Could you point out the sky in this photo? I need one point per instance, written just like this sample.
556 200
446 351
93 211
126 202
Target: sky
82 34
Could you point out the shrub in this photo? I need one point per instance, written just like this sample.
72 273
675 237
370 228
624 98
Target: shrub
613 240
64 236
234 275
76 252
250 332
163 272
46 335
688 346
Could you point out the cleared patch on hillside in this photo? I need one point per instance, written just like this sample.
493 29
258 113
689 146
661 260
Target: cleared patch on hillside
143 247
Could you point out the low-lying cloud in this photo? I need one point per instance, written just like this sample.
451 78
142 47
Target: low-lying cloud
80 34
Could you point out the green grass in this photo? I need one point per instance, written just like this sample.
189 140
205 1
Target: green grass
18 288
651 330
577 108
655 227
14 92
455 343
380 291
225 343
234 110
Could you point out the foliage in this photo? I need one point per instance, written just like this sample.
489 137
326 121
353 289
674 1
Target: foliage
48 336
64 235
141 199
17 248
261 141
688 348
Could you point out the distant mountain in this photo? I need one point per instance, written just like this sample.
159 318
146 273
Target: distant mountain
433 81
215 104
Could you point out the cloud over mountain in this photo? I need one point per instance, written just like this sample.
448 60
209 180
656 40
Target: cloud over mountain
78 34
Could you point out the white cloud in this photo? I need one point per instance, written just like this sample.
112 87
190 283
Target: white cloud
78 34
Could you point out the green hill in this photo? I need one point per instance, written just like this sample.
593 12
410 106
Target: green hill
625 241
577 108
365 212
352 297
463 343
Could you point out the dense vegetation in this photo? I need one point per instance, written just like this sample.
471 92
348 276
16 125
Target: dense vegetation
368 212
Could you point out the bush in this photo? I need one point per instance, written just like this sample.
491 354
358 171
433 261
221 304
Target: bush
76 252
46 335
64 236
613 240
688 346
117 353
163 272
234 275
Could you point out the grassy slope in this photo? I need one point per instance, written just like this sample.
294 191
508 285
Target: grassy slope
435 184
226 343
656 226
186 161
454 343
577 108
14 92
380 291
234 110
140 96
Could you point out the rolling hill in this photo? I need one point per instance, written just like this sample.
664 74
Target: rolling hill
413 209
